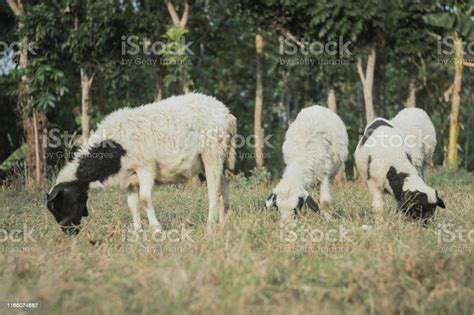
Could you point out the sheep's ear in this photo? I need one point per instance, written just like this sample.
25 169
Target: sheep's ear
270 202
440 202
313 205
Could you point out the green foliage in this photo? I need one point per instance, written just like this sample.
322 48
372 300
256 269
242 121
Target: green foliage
176 57
17 156
223 62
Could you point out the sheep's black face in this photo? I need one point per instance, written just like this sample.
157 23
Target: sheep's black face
416 206
68 204
271 201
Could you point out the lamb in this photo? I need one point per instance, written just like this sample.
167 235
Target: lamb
420 136
384 163
165 142
314 150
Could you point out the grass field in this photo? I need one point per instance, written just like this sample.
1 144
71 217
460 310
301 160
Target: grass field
252 265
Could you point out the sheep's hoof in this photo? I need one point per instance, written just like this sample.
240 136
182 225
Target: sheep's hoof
156 228
326 210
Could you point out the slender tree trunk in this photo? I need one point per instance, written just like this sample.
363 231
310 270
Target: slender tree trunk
258 100
411 100
159 88
180 23
332 105
368 84
35 159
455 104
85 103
332 99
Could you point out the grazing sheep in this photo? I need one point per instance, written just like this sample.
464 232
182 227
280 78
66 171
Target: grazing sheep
420 136
165 142
314 150
384 162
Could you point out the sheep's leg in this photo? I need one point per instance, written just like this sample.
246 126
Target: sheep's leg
213 177
325 197
147 181
133 202
377 200
224 198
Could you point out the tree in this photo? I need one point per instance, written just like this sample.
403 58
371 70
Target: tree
258 99
33 121
180 26
457 20
94 26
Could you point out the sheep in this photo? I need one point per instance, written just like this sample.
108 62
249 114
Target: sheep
165 142
384 163
420 136
314 150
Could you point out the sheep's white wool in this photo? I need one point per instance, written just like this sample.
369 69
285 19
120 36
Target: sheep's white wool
314 150
381 148
420 135
166 142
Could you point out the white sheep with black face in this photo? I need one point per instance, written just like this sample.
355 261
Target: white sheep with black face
420 136
165 142
314 150
383 161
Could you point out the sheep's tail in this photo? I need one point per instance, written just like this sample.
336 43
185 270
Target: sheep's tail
231 156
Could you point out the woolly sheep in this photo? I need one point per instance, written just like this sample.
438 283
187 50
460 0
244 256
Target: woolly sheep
314 150
165 142
420 136
384 163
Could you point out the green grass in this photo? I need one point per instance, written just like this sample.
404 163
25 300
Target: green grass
246 266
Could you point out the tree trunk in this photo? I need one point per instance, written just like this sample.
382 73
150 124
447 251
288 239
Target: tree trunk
258 100
455 103
35 159
411 100
332 99
159 88
368 84
85 103
180 23
332 105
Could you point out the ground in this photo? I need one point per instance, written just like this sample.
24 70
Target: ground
251 265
